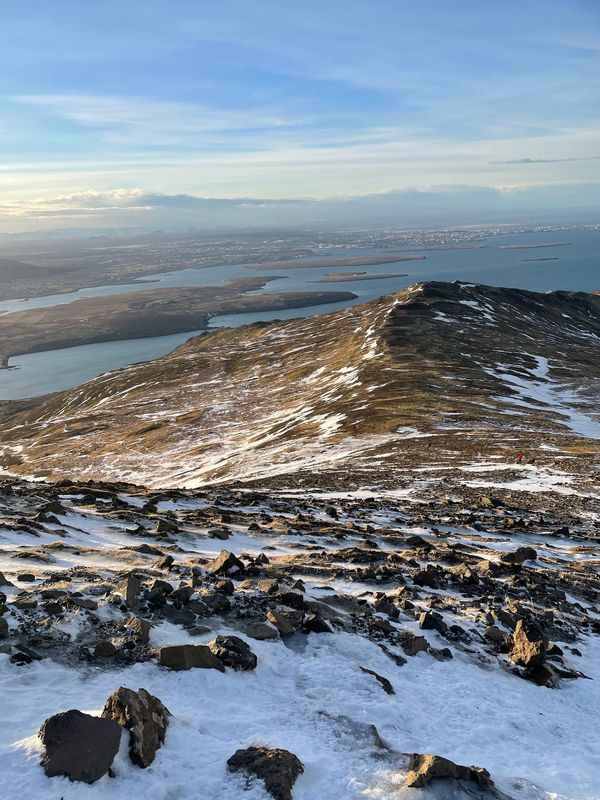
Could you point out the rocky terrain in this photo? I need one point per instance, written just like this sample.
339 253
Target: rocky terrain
353 556
341 632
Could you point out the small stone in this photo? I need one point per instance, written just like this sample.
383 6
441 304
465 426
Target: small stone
386 685
219 533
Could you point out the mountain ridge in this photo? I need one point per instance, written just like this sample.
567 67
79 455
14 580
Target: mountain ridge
379 380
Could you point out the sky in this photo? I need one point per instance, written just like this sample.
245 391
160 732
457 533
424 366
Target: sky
148 112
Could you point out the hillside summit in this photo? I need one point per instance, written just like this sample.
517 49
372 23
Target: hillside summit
436 373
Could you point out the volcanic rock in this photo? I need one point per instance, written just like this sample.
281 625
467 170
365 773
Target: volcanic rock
279 769
227 563
188 656
529 644
144 716
78 745
233 652
423 768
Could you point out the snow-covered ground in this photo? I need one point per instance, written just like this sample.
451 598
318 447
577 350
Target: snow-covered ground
311 698
540 390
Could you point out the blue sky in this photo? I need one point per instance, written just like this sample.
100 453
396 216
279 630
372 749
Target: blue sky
106 105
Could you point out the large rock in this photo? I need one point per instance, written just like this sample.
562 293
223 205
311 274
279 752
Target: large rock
424 767
279 769
129 589
79 746
139 629
188 656
227 563
262 631
3 628
285 622
144 716
529 644
518 556
233 652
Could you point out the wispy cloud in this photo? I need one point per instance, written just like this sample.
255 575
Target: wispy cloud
143 121
545 160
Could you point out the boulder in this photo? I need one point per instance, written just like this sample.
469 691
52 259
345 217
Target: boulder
529 644
313 623
139 629
383 606
233 652
279 769
83 602
262 631
188 656
282 621
425 767
227 563
144 716
183 593
432 621
518 556
164 563
224 586
219 533
129 589
545 675
78 745
412 644
3 628
268 585
105 649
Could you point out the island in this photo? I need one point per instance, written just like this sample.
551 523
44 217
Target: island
335 261
532 245
342 277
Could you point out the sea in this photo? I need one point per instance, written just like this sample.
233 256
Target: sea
567 260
